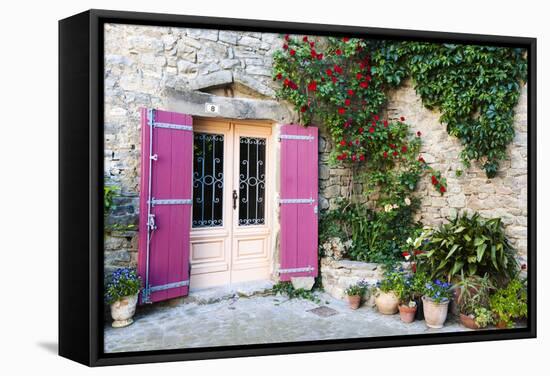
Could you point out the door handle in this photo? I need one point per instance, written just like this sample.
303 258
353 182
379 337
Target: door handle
235 197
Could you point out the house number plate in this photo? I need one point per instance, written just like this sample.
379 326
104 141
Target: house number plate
211 108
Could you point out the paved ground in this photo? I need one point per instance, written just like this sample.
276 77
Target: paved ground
255 319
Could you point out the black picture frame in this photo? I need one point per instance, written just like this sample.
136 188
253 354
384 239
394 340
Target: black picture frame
80 192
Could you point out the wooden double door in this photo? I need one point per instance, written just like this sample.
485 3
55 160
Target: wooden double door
232 202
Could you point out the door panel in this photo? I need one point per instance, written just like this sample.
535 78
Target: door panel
210 254
251 257
165 191
230 244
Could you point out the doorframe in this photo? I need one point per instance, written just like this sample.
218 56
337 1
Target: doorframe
228 127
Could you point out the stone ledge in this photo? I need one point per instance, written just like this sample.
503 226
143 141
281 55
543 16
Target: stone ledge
338 275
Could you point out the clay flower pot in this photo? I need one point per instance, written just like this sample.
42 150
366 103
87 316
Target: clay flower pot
501 325
435 314
387 303
123 310
407 313
354 301
468 321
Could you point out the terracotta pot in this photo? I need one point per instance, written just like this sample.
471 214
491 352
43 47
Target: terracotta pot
387 303
435 313
407 313
468 321
501 325
123 310
354 301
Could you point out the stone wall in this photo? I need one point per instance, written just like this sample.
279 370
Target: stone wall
337 276
504 196
180 69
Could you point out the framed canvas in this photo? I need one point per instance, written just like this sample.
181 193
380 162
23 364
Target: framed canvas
235 187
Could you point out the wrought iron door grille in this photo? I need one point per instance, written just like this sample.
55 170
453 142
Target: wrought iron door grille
208 180
252 156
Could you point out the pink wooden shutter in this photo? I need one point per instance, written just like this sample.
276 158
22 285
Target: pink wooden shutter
298 202
165 204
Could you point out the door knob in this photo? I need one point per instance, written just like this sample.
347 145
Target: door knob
235 197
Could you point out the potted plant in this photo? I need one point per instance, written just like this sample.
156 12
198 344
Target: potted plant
354 293
509 304
436 303
470 245
386 300
473 297
483 317
407 305
122 294
418 285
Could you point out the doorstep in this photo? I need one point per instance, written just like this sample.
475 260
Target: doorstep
232 291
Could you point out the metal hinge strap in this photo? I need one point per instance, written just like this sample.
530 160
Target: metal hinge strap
295 137
171 202
155 124
146 293
296 270
296 201
174 126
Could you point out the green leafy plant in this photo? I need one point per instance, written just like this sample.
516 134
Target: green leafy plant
354 290
510 303
473 293
123 282
392 281
483 317
377 236
286 288
418 284
470 245
475 87
109 193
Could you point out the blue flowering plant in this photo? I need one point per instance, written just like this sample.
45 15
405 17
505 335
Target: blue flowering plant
438 291
123 282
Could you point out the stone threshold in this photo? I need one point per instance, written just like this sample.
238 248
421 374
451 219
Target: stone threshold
232 291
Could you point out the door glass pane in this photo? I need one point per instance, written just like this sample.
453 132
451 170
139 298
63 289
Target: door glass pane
207 180
251 181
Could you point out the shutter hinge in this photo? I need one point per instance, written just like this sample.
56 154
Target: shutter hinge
295 137
296 270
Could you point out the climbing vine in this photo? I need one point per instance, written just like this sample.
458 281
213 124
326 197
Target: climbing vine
475 87
343 81
330 80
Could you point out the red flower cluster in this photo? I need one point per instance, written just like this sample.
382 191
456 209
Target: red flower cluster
312 86
290 84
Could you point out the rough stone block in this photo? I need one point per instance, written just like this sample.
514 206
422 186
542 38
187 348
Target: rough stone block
305 283
219 78
228 37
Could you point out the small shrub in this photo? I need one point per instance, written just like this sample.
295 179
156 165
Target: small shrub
510 303
470 245
123 282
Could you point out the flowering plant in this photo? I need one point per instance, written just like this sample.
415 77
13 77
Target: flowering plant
438 291
393 281
123 282
354 290
333 79
335 248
